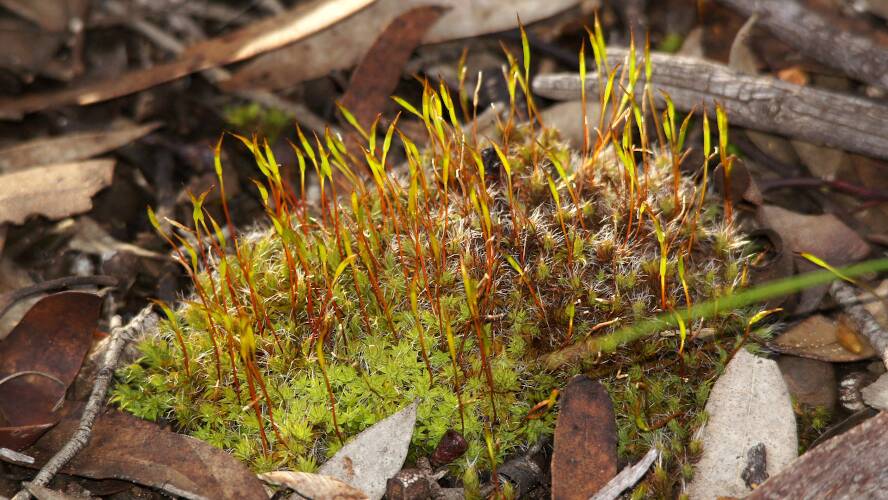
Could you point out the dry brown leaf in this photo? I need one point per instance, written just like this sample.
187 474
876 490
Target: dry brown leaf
815 234
824 236
297 23
344 45
308 485
374 80
26 48
39 360
53 191
825 163
125 447
70 147
585 455
818 337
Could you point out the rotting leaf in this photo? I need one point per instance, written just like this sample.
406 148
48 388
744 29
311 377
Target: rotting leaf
376 77
70 147
39 360
124 447
375 454
307 485
585 456
54 191
819 337
749 404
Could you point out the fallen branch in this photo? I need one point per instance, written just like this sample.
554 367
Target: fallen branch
846 296
120 336
627 477
818 38
757 102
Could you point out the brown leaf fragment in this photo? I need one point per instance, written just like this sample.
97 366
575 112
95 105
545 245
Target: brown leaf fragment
299 22
817 337
70 147
39 360
54 191
307 485
124 447
585 455
849 466
376 77
815 234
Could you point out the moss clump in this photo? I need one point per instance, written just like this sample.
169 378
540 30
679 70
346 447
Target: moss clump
448 279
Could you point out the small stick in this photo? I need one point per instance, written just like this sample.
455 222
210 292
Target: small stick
120 336
858 56
846 296
627 477
764 103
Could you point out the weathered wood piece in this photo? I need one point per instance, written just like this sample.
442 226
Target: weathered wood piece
850 466
814 36
758 102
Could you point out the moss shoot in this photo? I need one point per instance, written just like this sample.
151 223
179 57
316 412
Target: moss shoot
447 278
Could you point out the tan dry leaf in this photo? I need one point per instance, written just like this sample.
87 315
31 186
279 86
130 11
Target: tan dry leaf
345 44
268 34
817 337
308 485
54 191
70 147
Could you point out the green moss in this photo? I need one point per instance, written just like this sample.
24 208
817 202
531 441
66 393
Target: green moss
446 288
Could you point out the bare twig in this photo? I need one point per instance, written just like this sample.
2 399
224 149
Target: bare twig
120 336
627 477
846 296
818 38
762 103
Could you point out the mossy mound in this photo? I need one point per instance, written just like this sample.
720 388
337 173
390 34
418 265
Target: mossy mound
448 279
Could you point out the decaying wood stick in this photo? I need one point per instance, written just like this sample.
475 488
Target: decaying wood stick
846 296
807 31
627 477
757 102
120 336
